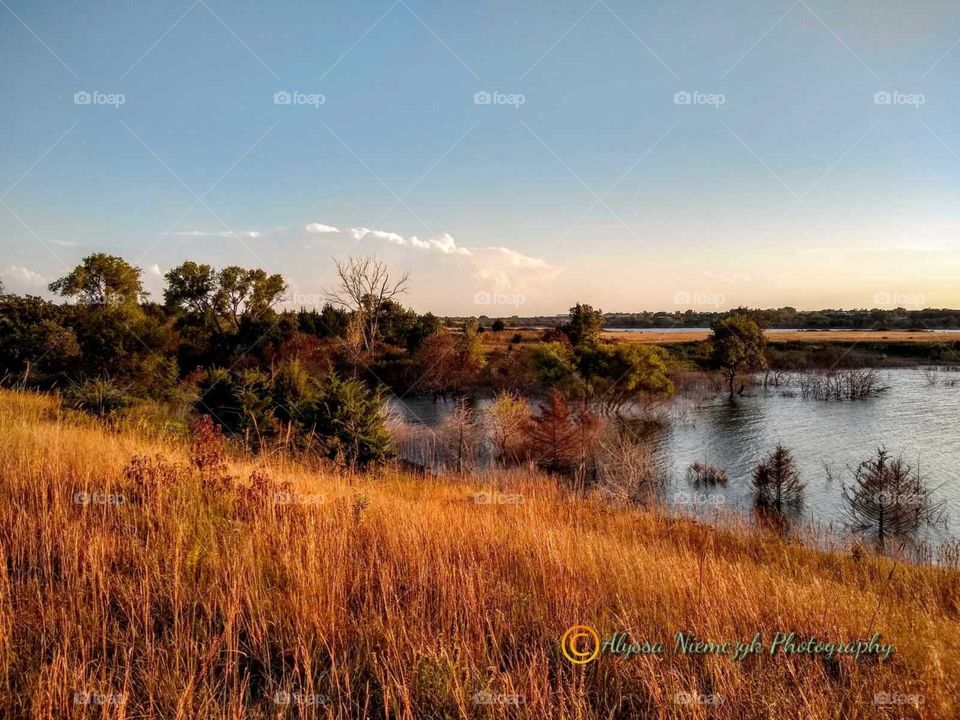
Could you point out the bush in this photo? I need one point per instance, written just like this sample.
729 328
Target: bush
100 397
703 473
350 422
777 482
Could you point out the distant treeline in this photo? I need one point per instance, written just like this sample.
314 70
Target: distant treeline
785 317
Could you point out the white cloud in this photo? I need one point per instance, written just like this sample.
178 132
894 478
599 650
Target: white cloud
155 270
22 278
505 269
321 228
444 244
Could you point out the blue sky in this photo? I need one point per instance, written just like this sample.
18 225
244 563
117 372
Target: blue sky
786 179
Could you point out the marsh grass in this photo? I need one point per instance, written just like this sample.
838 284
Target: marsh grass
383 595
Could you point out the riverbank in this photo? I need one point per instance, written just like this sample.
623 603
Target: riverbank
155 589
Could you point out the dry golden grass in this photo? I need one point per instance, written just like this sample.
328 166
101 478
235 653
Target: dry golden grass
401 597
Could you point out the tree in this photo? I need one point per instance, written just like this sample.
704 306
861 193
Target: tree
615 376
498 325
449 363
223 299
552 364
505 418
193 288
460 436
737 345
102 279
585 324
553 435
776 481
889 498
248 293
365 287
349 420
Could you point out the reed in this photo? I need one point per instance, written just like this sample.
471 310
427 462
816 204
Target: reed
292 592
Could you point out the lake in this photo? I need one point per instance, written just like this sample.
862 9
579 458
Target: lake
911 417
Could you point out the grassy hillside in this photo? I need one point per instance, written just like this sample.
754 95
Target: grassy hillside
162 590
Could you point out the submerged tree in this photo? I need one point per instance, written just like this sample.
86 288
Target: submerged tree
554 436
460 436
504 419
889 498
776 481
737 346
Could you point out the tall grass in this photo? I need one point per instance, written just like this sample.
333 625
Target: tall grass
304 594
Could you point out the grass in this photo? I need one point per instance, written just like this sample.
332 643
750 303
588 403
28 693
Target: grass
384 595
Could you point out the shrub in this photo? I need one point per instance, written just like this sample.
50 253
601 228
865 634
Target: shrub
100 397
777 482
349 420
702 473
889 498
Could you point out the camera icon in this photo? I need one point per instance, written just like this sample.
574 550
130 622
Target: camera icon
682 298
682 98
882 98
81 498
281 698
82 98
482 298
283 498
882 298
482 98
282 98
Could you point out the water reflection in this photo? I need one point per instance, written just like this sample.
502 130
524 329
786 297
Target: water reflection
827 438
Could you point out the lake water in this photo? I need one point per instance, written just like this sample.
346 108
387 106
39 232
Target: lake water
912 418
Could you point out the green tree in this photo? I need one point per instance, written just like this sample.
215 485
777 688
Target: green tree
552 364
223 300
615 376
349 420
193 288
585 324
102 279
737 346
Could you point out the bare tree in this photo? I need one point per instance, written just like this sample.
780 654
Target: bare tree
888 497
365 288
776 481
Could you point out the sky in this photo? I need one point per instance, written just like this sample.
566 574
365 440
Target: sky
515 158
